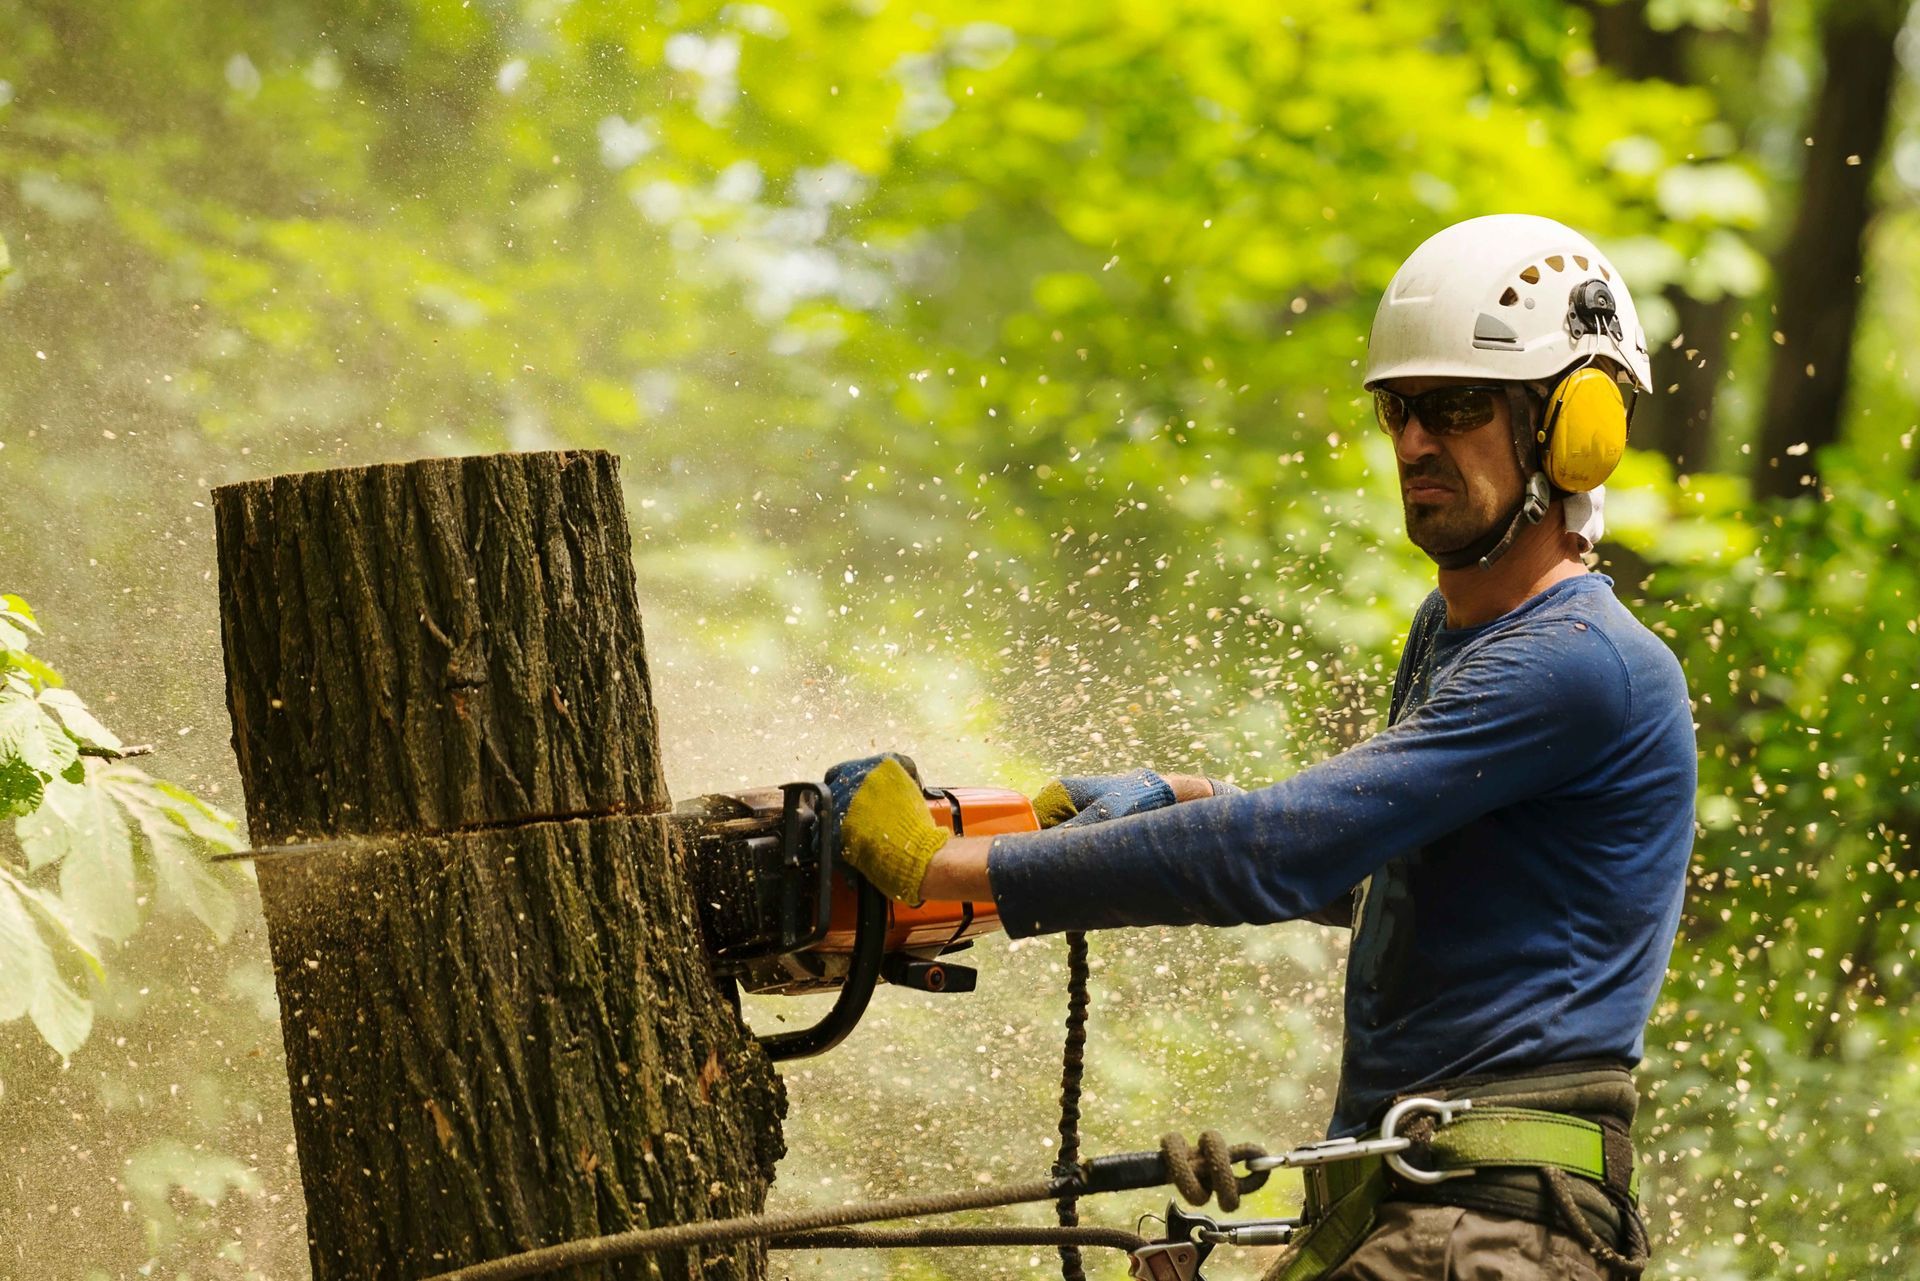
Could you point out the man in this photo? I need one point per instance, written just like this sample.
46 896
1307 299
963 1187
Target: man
1510 851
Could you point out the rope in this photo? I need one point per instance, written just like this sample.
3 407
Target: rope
1213 1175
808 1229
1560 1188
626 1245
1073 1061
903 1238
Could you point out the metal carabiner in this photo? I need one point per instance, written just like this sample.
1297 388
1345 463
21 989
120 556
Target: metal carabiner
1396 1159
1250 1232
1327 1151
1191 1237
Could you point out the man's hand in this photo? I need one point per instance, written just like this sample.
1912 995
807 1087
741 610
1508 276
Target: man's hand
1097 797
886 831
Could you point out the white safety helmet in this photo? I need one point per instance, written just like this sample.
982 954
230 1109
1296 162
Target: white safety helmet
1495 297
1508 297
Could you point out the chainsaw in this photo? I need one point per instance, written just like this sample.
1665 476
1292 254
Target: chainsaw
781 913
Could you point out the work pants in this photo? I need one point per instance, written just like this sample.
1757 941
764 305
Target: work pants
1412 1242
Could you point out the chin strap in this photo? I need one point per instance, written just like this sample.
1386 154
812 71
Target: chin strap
1495 543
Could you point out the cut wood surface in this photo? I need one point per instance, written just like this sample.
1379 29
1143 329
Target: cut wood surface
501 1030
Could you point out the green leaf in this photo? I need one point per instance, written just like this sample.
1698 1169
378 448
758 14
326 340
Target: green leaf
79 721
81 830
65 935
181 872
63 1016
30 979
30 670
155 1170
12 638
21 787
23 953
208 822
28 734
15 609
37 935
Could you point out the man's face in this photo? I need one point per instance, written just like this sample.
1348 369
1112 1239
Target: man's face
1454 488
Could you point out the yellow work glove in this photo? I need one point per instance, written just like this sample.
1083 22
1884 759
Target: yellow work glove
1053 804
886 831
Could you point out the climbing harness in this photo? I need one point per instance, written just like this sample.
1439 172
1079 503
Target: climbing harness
1429 1141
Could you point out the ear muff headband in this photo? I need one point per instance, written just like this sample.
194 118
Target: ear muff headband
1583 431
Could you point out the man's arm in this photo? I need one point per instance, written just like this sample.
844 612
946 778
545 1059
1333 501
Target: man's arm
958 872
1513 721
1189 787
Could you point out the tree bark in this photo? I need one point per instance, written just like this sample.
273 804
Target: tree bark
1819 266
500 1027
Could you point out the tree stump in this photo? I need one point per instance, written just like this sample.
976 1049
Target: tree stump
501 1031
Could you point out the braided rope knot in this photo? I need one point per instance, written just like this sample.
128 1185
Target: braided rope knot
1208 1170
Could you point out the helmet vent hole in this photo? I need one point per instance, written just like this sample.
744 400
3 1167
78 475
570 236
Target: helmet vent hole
1604 272
1531 275
1580 262
1509 298
1557 263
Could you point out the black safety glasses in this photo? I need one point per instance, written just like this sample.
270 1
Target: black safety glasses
1444 411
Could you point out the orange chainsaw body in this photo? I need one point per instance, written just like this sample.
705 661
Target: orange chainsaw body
781 914
970 811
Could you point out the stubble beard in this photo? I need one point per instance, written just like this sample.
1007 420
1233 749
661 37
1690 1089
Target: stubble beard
1441 528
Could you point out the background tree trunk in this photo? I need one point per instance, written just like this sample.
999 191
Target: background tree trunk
1818 298
1677 419
500 1027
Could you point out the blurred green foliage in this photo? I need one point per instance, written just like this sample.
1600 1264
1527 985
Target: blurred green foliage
985 376
74 819
1789 1059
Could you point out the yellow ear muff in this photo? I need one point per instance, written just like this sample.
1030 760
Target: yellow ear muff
1583 431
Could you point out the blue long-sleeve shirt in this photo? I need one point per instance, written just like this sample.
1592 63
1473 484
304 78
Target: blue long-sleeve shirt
1519 836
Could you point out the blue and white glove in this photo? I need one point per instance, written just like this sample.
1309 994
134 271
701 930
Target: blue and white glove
1075 802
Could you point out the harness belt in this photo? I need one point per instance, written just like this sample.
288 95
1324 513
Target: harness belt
1347 1179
